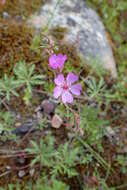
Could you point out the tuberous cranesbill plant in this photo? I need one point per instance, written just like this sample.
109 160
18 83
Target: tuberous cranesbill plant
65 88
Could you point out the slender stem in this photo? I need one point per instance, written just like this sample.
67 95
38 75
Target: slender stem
16 155
5 173
95 154
52 16
121 186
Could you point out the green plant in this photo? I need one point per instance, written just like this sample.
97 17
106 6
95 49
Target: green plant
65 161
70 68
93 125
96 67
113 14
6 125
121 90
36 43
95 90
44 152
93 153
51 16
54 185
61 161
8 87
48 86
2 188
26 76
122 161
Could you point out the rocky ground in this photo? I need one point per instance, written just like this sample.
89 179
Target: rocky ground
33 118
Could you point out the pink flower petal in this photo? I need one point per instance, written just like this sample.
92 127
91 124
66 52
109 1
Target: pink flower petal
53 61
61 59
75 89
59 80
67 97
71 78
3 1
57 92
57 61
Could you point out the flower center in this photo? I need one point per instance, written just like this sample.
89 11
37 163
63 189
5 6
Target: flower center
65 87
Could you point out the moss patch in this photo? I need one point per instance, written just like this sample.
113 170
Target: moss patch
21 7
15 41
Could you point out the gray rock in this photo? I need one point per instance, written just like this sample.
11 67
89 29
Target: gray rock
48 106
84 25
24 128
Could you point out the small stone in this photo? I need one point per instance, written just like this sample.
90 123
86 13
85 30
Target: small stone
31 172
5 15
71 135
18 124
18 116
125 150
110 131
81 131
8 167
124 111
56 121
21 173
39 116
25 128
38 109
101 188
18 18
48 107
21 160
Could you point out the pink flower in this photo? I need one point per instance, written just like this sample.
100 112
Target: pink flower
65 87
57 61
3 1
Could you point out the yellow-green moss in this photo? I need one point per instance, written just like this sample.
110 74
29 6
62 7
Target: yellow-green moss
21 7
15 45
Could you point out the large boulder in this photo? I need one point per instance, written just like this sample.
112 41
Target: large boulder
84 25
